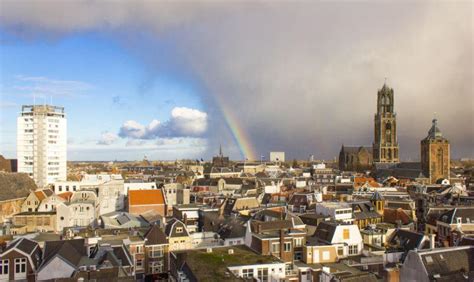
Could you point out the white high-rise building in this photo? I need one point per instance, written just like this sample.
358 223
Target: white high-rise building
42 143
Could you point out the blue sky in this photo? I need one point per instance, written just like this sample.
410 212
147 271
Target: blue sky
97 81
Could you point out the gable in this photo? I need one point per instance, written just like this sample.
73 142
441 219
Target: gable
55 268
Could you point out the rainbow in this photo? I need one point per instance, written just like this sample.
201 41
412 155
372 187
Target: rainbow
240 135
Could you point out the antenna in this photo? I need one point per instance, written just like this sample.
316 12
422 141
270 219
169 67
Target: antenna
51 100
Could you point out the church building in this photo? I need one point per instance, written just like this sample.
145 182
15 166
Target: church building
435 155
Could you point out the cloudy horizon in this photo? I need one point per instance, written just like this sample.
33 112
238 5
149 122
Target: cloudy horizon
163 79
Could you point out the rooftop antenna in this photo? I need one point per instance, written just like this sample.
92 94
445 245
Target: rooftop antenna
51 100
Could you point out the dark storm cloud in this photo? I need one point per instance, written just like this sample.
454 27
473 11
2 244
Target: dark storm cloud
302 77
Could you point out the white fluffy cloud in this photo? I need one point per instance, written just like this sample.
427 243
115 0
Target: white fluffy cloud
184 122
107 138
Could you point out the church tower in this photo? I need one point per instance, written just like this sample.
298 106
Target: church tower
385 147
435 155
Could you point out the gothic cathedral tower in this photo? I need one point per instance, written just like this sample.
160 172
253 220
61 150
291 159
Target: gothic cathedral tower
435 155
385 147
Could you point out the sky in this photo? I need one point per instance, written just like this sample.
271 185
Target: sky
172 80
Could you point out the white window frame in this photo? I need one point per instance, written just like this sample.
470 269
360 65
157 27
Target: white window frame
247 273
156 251
20 263
353 249
139 265
277 248
4 265
156 267
298 242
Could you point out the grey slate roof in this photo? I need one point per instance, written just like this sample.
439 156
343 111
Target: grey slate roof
376 196
170 229
407 240
447 264
70 250
325 231
155 236
465 213
23 244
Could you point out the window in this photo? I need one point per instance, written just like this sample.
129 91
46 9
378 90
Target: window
263 274
179 229
156 267
139 263
288 269
247 273
298 242
156 252
353 250
4 267
340 251
298 255
287 247
326 255
20 265
345 234
276 247
139 249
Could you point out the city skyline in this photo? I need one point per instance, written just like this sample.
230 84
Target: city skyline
178 87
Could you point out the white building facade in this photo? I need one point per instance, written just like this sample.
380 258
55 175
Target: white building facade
277 156
42 143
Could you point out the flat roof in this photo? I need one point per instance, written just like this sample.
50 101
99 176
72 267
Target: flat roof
213 266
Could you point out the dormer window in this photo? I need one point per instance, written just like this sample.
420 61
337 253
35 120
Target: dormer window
179 229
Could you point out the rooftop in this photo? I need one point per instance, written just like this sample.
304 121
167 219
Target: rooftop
145 197
213 266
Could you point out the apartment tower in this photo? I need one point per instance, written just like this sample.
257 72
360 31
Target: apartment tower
42 143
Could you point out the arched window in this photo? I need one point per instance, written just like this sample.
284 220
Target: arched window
388 132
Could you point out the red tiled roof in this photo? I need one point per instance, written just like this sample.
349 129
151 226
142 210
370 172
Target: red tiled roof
40 195
394 215
66 195
145 197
